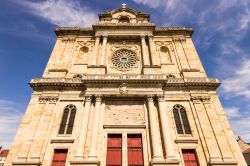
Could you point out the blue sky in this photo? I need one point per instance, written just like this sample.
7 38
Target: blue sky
222 39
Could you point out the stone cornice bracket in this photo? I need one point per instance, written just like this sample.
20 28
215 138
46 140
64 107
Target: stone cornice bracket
49 99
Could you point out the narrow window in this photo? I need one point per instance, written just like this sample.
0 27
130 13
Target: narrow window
60 157
135 153
68 119
181 120
189 157
114 150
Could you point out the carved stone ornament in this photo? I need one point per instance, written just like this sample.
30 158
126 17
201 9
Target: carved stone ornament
124 60
88 44
44 99
123 88
167 44
199 99
77 76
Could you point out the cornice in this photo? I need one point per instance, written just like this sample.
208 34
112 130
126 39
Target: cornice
166 81
60 31
56 83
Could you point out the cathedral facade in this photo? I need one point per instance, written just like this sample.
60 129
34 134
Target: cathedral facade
124 92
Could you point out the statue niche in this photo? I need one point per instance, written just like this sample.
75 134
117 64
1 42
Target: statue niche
165 55
82 54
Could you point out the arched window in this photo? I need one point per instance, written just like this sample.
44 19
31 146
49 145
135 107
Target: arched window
124 19
67 123
181 120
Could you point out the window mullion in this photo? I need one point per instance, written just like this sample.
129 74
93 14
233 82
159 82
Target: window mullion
67 122
182 124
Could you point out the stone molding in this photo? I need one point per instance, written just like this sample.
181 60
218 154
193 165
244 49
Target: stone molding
49 99
126 78
62 31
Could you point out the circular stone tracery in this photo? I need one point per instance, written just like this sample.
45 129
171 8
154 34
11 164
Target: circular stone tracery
124 60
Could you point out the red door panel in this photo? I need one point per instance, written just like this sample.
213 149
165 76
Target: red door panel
135 153
60 157
189 157
114 150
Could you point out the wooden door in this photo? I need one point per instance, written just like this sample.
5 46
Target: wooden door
189 157
114 150
60 157
135 153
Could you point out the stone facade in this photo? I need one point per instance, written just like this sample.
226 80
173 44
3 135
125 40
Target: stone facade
124 75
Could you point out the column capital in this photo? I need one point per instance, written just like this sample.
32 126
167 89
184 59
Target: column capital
150 36
98 35
98 98
160 98
105 35
88 98
150 98
143 35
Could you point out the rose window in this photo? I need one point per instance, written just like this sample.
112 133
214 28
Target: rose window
124 60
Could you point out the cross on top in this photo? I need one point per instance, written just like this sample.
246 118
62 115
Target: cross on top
124 5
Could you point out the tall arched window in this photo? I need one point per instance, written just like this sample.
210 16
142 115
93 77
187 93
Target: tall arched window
181 120
67 123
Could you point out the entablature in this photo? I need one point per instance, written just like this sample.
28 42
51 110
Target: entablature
166 31
164 80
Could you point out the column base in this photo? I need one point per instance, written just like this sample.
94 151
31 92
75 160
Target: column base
151 69
85 161
97 69
25 161
163 162
226 161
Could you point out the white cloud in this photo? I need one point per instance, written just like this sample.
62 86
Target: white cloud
240 122
61 12
232 112
10 117
241 127
239 83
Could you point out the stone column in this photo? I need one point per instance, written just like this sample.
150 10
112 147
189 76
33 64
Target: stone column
177 41
152 50
95 129
104 47
154 131
84 127
206 128
95 53
144 53
168 144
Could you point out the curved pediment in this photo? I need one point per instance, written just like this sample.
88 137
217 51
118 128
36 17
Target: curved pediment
124 15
